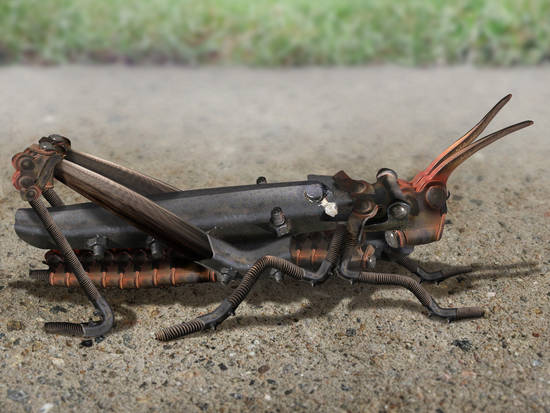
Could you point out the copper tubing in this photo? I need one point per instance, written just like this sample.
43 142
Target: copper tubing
148 278
309 252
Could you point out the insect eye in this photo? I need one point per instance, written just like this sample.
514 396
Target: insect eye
436 196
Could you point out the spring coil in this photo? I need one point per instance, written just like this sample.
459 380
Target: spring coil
64 328
180 330
66 250
254 272
395 279
469 312
335 247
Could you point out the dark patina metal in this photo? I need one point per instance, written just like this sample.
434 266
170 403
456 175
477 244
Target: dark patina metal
140 232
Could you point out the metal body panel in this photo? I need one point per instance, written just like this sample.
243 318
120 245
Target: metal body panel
238 214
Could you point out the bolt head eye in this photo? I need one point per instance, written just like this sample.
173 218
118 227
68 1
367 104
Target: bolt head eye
436 196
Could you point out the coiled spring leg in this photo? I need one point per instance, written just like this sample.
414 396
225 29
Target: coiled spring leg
426 276
410 284
230 304
90 329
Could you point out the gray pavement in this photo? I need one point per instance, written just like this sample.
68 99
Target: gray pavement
292 348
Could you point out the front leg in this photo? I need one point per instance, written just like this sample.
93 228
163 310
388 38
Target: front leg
415 268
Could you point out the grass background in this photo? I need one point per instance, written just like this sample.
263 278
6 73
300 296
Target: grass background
274 33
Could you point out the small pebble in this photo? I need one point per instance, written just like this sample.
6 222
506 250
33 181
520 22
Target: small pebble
127 341
57 362
15 325
86 343
345 388
464 344
237 396
350 332
536 363
222 367
58 309
46 408
263 369
17 395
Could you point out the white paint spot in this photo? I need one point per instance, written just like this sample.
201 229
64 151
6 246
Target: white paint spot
330 208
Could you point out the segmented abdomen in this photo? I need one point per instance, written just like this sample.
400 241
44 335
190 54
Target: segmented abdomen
123 269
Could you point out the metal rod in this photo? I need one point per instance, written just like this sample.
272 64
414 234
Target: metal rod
136 209
136 181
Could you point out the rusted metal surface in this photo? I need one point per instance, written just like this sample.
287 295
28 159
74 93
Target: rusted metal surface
332 225
309 250
125 270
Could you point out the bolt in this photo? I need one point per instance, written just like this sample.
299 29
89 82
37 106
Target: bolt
25 181
26 163
435 197
32 193
46 146
98 245
368 260
261 180
227 276
399 210
155 247
277 217
395 238
314 192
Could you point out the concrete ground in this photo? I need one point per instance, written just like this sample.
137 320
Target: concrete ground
332 348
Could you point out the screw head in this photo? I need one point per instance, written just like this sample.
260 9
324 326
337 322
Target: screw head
436 197
26 163
399 210
32 193
46 146
394 238
314 193
277 216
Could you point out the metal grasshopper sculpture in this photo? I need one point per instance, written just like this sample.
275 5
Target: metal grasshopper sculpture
141 232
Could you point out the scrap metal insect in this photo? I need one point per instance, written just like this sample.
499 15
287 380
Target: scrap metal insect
141 232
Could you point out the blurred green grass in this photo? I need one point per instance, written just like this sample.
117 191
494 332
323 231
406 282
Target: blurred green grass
274 33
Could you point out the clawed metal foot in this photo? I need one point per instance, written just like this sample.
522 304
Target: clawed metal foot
433 276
